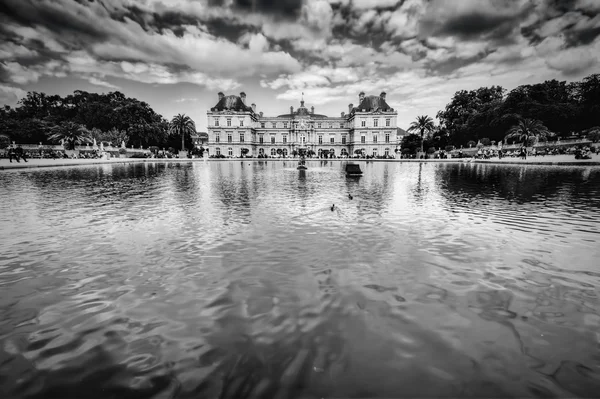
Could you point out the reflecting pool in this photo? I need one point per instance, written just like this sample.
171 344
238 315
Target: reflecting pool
237 279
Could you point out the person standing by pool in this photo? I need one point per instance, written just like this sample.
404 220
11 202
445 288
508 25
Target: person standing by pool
19 153
11 154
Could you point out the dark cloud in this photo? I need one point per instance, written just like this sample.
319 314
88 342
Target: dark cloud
452 64
226 29
289 9
581 37
472 25
52 16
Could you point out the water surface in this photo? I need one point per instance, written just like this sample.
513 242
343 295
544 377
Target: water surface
236 279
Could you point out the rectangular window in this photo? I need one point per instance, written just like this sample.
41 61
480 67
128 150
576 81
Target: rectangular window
230 151
387 137
363 123
229 137
241 137
218 150
375 122
363 139
261 138
216 122
374 138
272 139
284 138
332 139
320 139
318 125
228 121
285 125
262 125
241 122
387 122
217 138
343 139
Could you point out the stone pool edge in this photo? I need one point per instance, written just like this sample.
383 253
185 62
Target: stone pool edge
168 160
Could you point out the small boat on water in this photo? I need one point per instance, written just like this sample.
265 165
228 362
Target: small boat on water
302 164
353 170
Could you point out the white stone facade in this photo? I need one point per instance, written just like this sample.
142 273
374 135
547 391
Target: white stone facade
234 126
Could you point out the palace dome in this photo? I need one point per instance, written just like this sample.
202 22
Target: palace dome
302 111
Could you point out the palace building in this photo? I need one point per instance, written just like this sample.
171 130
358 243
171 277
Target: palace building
235 129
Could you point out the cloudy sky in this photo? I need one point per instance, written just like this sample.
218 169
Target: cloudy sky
178 54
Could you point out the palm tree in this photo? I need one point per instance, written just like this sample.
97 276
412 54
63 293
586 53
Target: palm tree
71 133
423 124
526 129
182 124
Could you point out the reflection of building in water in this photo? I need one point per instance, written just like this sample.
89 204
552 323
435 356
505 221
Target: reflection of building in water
235 128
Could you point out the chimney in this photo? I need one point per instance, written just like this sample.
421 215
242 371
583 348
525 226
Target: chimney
382 95
221 95
350 106
254 108
312 110
361 96
243 97
291 110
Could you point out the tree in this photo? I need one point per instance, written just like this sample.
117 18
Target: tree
423 124
593 134
182 125
471 113
528 129
411 143
71 133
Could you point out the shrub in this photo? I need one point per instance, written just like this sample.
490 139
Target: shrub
122 151
471 143
449 148
138 155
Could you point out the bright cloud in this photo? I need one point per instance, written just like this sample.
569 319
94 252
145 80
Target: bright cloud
418 51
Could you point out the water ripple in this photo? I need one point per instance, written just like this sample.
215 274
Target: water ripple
236 279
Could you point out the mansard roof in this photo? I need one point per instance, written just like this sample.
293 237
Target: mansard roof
231 103
373 103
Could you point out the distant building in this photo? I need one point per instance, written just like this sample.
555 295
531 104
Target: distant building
233 126
200 139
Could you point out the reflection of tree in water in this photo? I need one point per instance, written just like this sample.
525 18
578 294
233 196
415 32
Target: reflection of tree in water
420 190
520 183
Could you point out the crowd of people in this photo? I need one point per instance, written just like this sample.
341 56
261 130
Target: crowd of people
580 152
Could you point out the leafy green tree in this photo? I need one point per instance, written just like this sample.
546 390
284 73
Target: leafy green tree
470 113
71 134
593 134
527 130
423 124
182 125
411 143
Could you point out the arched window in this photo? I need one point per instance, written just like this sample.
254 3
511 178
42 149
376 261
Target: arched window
332 152
230 151
374 152
284 152
218 151
273 152
387 152
344 152
261 151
